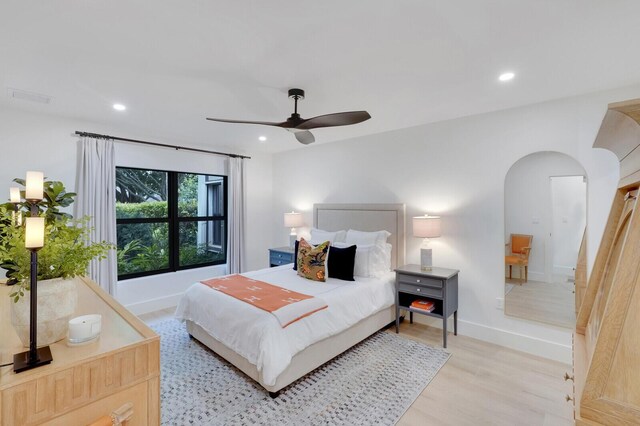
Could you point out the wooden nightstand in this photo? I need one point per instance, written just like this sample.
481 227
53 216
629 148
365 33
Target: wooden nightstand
439 285
280 256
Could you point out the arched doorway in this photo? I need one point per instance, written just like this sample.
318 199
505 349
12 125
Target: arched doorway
545 219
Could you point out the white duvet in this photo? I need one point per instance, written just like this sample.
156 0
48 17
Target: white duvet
257 335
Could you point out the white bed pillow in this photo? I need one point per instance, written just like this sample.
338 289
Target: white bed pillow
366 238
372 260
319 236
380 260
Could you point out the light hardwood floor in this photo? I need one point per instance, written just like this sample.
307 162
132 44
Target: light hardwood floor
481 384
551 303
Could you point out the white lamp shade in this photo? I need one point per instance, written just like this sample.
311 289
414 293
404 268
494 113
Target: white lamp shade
35 186
34 235
293 220
14 195
426 226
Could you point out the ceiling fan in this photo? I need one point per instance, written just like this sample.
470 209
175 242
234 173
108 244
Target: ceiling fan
300 126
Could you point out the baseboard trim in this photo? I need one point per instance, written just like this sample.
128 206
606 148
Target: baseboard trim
509 339
153 305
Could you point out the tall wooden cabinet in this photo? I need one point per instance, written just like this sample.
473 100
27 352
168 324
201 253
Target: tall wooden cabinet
607 336
85 382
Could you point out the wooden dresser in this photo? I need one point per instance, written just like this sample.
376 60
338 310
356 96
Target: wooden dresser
606 365
86 382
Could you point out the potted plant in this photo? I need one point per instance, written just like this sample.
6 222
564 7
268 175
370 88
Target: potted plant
65 256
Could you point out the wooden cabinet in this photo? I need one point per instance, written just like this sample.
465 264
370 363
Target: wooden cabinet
84 382
581 273
607 337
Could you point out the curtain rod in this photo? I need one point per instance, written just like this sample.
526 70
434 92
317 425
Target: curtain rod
176 147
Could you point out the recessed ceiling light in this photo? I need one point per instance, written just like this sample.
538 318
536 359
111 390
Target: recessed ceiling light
262 138
119 107
506 76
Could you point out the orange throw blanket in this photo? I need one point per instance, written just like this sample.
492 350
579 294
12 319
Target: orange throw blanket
286 305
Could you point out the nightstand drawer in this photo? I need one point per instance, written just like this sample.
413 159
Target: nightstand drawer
279 258
421 281
420 290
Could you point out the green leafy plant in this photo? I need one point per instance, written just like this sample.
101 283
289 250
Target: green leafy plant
67 250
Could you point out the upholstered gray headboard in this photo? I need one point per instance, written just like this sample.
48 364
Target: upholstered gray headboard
366 217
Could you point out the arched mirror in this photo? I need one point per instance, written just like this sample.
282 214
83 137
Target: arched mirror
545 220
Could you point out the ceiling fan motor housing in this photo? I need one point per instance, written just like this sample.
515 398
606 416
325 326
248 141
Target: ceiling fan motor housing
296 93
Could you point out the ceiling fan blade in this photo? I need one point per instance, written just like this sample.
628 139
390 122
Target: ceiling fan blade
303 136
264 123
333 120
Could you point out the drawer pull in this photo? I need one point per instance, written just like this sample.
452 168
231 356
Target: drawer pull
567 377
417 281
417 289
568 398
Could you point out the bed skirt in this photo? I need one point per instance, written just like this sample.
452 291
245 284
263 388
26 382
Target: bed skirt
308 359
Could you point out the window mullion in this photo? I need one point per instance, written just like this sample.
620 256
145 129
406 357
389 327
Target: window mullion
174 234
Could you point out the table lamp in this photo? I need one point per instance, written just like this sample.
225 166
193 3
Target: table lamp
293 220
426 227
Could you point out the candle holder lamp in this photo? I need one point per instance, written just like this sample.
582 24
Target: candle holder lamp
34 241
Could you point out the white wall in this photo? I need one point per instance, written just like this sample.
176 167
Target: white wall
457 169
569 212
528 205
41 142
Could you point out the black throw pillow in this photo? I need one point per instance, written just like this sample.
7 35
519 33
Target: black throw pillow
341 262
295 256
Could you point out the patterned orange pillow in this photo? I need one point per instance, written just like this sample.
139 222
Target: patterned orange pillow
312 260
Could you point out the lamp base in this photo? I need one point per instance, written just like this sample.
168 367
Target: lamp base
21 361
426 259
292 240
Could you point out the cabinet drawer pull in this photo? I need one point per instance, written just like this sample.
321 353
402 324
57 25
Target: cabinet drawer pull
417 281
417 289
567 377
568 398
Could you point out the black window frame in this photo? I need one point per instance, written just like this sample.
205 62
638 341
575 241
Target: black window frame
174 220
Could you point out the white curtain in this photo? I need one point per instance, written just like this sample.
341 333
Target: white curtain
237 215
96 188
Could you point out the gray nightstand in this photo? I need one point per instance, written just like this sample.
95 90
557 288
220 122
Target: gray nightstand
439 285
280 256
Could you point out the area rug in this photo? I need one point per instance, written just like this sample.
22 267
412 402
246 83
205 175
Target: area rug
374 382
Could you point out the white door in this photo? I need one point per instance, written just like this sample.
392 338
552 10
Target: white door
568 221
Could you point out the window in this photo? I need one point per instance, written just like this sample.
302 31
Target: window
168 221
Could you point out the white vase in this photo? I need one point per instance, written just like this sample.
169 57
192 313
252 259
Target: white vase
57 302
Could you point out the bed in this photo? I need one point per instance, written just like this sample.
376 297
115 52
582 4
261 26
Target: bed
275 357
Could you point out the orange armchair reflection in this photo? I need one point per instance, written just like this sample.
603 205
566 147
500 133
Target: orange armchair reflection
518 251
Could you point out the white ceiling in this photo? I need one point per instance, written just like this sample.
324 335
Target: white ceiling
407 62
